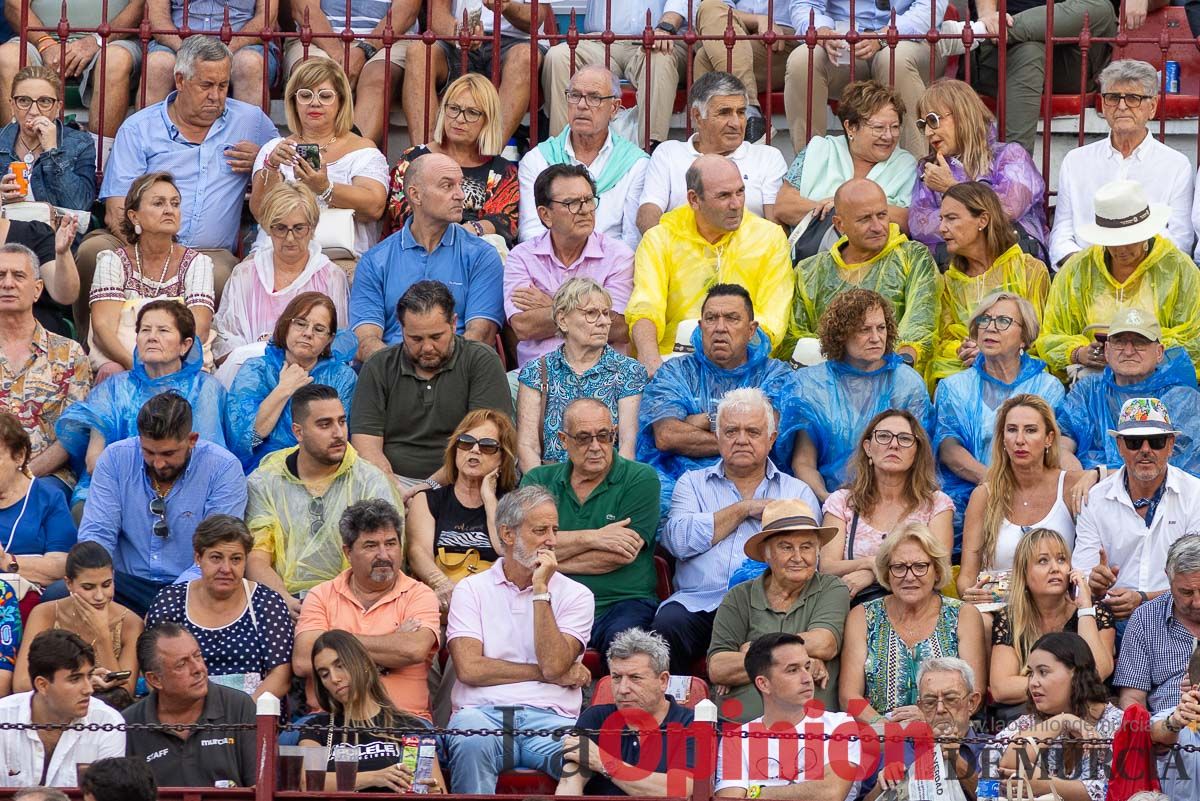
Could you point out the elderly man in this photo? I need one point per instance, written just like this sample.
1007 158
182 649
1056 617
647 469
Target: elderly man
1129 91
431 246
1138 367
296 498
1131 518
710 240
180 692
567 204
790 596
411 396
617 165
655 82
395 617
42 373
637 666
714 512
608 513
872 253
516 633
676 430
717 104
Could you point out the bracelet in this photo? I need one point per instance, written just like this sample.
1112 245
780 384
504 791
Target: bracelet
42 49
1145 598
325 197
1171 727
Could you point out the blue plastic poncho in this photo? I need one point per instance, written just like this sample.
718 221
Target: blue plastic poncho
965 408
693 385
1094 404
832 402
112 409
256 379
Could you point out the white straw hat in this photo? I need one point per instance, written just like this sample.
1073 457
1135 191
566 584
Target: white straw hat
1123 216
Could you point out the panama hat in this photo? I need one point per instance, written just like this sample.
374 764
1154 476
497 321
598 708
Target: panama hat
1124 216
1142 417
786 517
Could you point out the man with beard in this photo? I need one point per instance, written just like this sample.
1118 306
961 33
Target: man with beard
396 618
149 493
412 395
297 496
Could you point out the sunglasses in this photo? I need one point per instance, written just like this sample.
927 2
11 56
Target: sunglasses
1157 442
316 511
931 120
487 445
158 508
585 438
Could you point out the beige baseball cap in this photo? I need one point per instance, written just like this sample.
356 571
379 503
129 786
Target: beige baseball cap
1135 321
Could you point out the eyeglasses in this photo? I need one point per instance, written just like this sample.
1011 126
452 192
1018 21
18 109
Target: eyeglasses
1129 343
1131 100
918 569
879 129
1001 322
579 204
585 438
931 120
929 703
325 97
23 102
487 446
300 324
454 111
885 437
297 231
316 511
158 508
1157 441
593 316
592 100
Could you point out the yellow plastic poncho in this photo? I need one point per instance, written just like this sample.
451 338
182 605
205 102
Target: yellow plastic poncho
1085 292
1015 271
280 515
674 267
903 272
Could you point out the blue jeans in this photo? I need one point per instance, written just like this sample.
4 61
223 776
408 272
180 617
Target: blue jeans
273 58
623 615
476 761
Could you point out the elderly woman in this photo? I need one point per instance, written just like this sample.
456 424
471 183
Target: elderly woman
1045 596
304 349
963 147
887 639
892 483
1131 264
259 289
984 257
469 130
584 366
243 628
1067 699
153 265
871 115
790 596
823 420
1002 330
1024 487
350 172
451 530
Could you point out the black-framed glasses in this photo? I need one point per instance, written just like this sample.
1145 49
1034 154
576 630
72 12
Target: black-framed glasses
885 437
158 508
316 513
487 446
1157 441
592 100
325 97
454 111
918 569
584 438
44 103
300 324
1113 99
1001 322
931 120
578 204
297 231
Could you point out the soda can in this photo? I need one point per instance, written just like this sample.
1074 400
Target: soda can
1171 68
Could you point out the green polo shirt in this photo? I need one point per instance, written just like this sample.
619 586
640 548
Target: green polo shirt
416 416
629 490
745 615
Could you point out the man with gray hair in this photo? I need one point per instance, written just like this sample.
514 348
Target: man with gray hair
1129 91
40 794
637 668
714 511
516 633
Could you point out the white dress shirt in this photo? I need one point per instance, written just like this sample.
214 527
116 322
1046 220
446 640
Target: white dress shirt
763 168
22 755
616 216
1109 521
753 766
1165 175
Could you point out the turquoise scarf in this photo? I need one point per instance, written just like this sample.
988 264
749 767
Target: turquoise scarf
625 154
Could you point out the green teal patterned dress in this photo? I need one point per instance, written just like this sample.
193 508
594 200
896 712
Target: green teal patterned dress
891 666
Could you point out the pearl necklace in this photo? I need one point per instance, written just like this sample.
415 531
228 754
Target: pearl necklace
137 257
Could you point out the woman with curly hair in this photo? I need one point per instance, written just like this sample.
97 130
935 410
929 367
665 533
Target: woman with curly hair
822 421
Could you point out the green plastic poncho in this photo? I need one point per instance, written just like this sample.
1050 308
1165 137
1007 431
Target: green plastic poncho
903 272
1014 271
1085 292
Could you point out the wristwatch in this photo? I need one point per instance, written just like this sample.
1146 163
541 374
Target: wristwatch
755 791
368 49
13 567
541 596
1172 727
1087 611
668 27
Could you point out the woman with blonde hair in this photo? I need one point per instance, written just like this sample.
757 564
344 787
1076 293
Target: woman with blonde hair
469 130
963 146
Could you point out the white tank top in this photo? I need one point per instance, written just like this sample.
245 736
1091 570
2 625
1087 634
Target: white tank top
1057 519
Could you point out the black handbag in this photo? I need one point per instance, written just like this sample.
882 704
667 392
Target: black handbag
874 589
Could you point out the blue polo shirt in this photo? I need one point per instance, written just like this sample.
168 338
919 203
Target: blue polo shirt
212 193
465 263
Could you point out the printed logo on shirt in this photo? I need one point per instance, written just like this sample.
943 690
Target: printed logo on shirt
218 741
157 754
610 518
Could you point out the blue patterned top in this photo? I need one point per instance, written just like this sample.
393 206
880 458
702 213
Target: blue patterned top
612 378
10 627
891 667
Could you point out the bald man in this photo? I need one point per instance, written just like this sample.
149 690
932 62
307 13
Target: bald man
608 516
872 254
431 245
713 239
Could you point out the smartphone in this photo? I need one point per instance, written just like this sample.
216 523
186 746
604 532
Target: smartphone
119 675
311 154
1072 590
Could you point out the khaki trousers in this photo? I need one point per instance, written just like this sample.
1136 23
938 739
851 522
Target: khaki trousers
749 57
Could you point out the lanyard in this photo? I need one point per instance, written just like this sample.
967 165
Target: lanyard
13 531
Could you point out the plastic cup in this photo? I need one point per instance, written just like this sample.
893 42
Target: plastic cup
316 761
345 766
291 767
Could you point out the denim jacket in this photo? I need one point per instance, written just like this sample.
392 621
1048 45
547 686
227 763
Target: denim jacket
64 176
